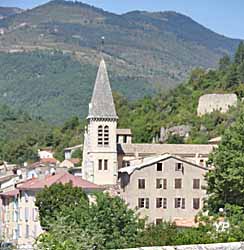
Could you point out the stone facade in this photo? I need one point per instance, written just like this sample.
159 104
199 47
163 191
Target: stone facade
215 102
100 147
164 188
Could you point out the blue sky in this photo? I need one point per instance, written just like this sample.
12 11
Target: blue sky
223 16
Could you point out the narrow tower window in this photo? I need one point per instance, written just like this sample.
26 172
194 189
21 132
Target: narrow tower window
100 135
106 135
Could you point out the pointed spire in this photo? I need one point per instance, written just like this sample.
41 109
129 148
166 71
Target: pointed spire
102 103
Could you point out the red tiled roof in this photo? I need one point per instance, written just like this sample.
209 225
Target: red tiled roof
10 193
74 160
61 177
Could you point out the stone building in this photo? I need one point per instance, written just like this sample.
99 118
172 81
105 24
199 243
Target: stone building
100 147
107 149
165 187
19 216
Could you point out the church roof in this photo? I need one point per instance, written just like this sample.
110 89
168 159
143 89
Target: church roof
158 149
152 160
102 103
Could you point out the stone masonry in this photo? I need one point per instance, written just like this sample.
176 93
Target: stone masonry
215 102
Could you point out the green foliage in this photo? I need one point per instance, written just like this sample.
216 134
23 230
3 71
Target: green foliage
239 56
120 225
175 139
51 200
179 106
224 63
107 223
163 234
226 182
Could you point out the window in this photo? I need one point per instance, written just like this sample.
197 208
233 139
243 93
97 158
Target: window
196 183
178 183
179 166
180 203
159 183
126 163
106 135
100 135
141 183
125 139
143 202
159 166
105 164
196 203
159 221
159 202
100 164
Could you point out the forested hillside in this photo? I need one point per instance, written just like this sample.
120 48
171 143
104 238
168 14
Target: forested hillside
22 135
179 106
145 52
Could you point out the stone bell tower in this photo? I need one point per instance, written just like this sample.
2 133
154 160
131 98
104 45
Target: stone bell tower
100 148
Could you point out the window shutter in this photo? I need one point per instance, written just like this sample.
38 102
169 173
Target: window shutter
183 205
176 201
147 202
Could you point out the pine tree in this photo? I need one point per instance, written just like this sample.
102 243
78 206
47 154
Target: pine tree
239 56
226 181
232 78
224 63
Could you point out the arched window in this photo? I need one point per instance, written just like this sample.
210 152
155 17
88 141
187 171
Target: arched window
100 135
106 135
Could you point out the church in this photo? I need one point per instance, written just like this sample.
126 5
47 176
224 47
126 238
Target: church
108 149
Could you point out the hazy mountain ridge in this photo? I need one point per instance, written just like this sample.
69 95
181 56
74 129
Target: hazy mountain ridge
9 11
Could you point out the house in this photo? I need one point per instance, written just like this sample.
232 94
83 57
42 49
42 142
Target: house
19 215
45 153
7 182
164 187
106 148
69 151
124 135
70 163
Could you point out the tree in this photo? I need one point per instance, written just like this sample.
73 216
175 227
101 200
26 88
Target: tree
232 78
241 72
224 63
226 181
119 224
163 234
106 223
51 200
239 56
175 139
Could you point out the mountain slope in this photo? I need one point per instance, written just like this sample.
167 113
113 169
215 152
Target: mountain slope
8 11
144 51
159 47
